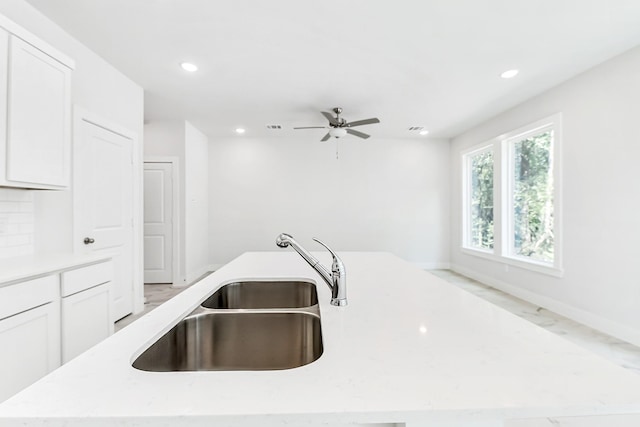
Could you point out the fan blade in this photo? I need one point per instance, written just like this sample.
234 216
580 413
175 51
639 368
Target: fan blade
326 137
312 127
358 134
362 122
329 117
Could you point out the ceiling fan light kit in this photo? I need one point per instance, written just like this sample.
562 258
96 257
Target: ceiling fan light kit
338 132
339 127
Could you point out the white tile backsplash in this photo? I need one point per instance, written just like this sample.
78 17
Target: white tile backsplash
16 222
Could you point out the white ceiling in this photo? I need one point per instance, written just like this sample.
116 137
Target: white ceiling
432 63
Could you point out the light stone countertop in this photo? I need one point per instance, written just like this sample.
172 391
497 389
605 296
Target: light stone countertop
409 348
28 266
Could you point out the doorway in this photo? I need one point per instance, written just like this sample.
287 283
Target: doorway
160 221
103 200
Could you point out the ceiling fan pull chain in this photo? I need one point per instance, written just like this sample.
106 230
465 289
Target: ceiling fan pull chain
337 150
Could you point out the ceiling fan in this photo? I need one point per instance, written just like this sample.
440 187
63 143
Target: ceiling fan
339 127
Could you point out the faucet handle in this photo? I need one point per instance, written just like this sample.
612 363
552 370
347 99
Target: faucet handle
326 247
336 259
339 278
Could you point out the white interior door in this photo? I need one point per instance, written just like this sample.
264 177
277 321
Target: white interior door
103 205
158 222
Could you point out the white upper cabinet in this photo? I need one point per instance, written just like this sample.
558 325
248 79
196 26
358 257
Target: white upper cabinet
35 111
38 122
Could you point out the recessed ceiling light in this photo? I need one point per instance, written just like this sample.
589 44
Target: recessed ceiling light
187 66
424 132
509 74
240 130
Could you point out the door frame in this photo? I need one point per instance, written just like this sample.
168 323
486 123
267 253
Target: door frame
82 115
175 212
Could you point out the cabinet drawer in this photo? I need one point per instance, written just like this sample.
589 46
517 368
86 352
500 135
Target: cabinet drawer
86 277
23 296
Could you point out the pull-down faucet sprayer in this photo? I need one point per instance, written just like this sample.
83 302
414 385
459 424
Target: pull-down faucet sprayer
337 280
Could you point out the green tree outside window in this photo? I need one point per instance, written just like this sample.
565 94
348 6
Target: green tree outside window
481 200
532 197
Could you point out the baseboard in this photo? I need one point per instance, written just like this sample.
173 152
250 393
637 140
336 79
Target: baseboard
432 265
594 321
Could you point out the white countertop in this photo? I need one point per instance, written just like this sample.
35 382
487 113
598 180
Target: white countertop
24 267
409 347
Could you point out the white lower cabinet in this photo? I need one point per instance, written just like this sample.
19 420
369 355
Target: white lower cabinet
50 320
87 315
86 320
30 343
30 335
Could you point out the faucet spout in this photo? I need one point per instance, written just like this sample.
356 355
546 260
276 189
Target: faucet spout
336 280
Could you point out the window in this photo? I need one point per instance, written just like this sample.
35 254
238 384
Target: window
479 200
522 168
530 190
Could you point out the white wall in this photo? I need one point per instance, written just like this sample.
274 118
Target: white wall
164 138
196 202
98 88
380 195
601 199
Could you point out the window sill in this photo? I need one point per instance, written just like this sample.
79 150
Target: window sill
516 262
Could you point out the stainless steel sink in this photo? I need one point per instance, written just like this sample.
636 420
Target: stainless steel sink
246 325
230 341
263 294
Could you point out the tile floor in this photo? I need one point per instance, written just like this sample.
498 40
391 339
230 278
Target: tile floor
619 352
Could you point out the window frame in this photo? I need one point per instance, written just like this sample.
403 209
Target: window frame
502 202
467 158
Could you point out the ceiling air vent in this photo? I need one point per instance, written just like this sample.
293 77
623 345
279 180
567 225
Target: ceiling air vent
419 129
274 127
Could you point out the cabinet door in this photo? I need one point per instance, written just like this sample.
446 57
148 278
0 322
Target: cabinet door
38 120
30 343
86 320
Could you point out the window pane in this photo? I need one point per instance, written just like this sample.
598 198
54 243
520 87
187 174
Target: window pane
481 203
532 197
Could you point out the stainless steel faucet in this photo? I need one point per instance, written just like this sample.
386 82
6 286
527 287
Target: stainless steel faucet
337 280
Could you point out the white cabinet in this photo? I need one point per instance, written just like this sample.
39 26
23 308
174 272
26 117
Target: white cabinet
29 334
35 112
85 320
49 320
86 308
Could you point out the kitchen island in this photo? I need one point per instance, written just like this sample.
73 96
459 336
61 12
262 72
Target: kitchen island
409 349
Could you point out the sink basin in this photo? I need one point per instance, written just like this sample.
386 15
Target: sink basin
232 341
263 294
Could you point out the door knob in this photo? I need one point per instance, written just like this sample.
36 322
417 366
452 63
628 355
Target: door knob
88 240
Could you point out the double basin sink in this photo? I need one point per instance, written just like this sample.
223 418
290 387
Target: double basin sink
248 325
